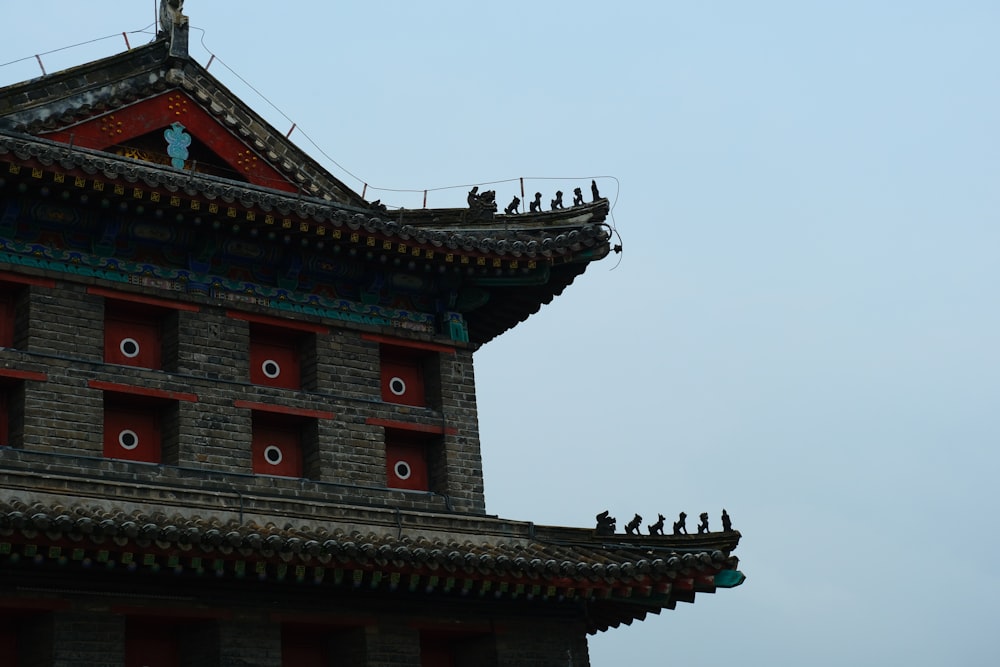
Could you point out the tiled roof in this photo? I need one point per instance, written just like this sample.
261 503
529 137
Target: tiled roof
65 98
508 236
513 263
523 261
619 577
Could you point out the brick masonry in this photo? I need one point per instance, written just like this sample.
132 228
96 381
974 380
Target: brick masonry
205 355
95 632
206 406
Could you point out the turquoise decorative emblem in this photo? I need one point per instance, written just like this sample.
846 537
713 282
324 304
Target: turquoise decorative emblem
177 144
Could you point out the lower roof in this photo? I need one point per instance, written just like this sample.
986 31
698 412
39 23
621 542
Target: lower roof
616 578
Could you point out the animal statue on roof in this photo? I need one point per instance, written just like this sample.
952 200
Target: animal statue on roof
536 205
577 197
557 202
632 527
657 528
605 523
482 205
513 206
171 14
703 524
680 526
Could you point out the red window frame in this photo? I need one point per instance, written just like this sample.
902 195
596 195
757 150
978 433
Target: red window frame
275 360
402 377
407 461
6 315
132 432
151 642
133 334
305 646
276 446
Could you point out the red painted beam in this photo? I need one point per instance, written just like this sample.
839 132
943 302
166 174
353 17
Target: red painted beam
297 325
412 344
416 428
141 298
284 410
23 375
142 391
7 276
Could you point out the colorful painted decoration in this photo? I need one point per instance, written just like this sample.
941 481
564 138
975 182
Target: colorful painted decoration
177 144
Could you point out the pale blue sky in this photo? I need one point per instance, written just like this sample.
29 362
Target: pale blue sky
803 327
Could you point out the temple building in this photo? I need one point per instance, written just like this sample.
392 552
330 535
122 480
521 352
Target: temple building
237 404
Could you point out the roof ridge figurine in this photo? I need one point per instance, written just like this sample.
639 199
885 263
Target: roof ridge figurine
171 14
606 524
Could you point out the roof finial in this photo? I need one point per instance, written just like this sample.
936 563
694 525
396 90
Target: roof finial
174 24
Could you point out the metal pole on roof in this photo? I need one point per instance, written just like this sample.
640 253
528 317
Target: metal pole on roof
127 45
39 59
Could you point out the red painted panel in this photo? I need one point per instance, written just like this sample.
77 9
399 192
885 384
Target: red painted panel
157 113
402 379
4 424
435 652
6 317
274 363
406 464
304 647
132 340
8 642
151 643
276 450
132 433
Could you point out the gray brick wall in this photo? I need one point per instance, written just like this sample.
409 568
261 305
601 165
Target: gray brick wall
249 643
392 643
462 464
64 323
542 642
93 639
206 354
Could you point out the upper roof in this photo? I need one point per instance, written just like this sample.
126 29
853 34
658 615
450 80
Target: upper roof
113 120
114 103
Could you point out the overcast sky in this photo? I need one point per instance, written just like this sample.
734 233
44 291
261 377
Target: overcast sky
803 327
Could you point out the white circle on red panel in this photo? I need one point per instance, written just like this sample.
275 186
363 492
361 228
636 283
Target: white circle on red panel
270 368
129 347
402 470
273 455
397 386
128 439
